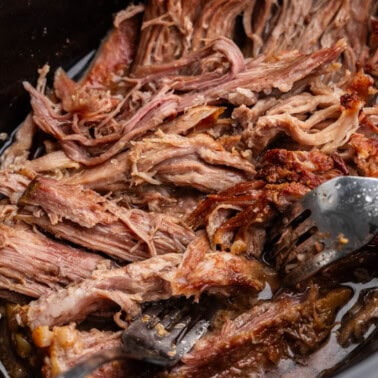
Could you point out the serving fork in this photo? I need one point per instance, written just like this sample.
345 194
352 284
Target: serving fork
161 335
329 223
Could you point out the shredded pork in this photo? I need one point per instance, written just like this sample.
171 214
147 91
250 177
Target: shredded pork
162 170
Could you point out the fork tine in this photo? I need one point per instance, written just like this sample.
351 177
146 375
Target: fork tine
195 333
291 238
174 332
180 328
298 253
279 236
174 315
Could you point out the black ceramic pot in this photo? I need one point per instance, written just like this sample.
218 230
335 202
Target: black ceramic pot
61 32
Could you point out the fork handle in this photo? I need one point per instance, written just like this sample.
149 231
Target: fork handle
86 367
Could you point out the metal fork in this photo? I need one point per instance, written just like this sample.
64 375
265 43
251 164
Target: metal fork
161 335
329 223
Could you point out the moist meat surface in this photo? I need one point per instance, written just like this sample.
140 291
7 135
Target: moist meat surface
161 172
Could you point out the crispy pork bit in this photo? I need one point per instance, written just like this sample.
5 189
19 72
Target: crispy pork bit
365 154
234 218
310 168
32 264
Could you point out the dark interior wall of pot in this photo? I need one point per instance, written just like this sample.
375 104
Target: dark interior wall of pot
35 32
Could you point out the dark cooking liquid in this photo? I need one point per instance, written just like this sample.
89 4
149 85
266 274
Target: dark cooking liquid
331 357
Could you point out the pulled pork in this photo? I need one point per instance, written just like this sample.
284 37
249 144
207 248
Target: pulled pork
161 171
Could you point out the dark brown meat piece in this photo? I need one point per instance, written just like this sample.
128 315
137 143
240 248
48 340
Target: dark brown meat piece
88 219
252 203
259 338
32 264
359 318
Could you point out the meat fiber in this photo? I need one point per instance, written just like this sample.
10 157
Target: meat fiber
307 26
333 118
178 202
320 130
153 279
166 32
112 175
13 184
209 87
19 150
32 264
218 17
115 56
196 161
287 69
126 287
92 221
47 116
247 204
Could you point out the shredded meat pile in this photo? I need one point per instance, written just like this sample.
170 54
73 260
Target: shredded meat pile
160 172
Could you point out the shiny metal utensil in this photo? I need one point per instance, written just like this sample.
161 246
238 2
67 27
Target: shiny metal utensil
3 371
332 221
161 335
